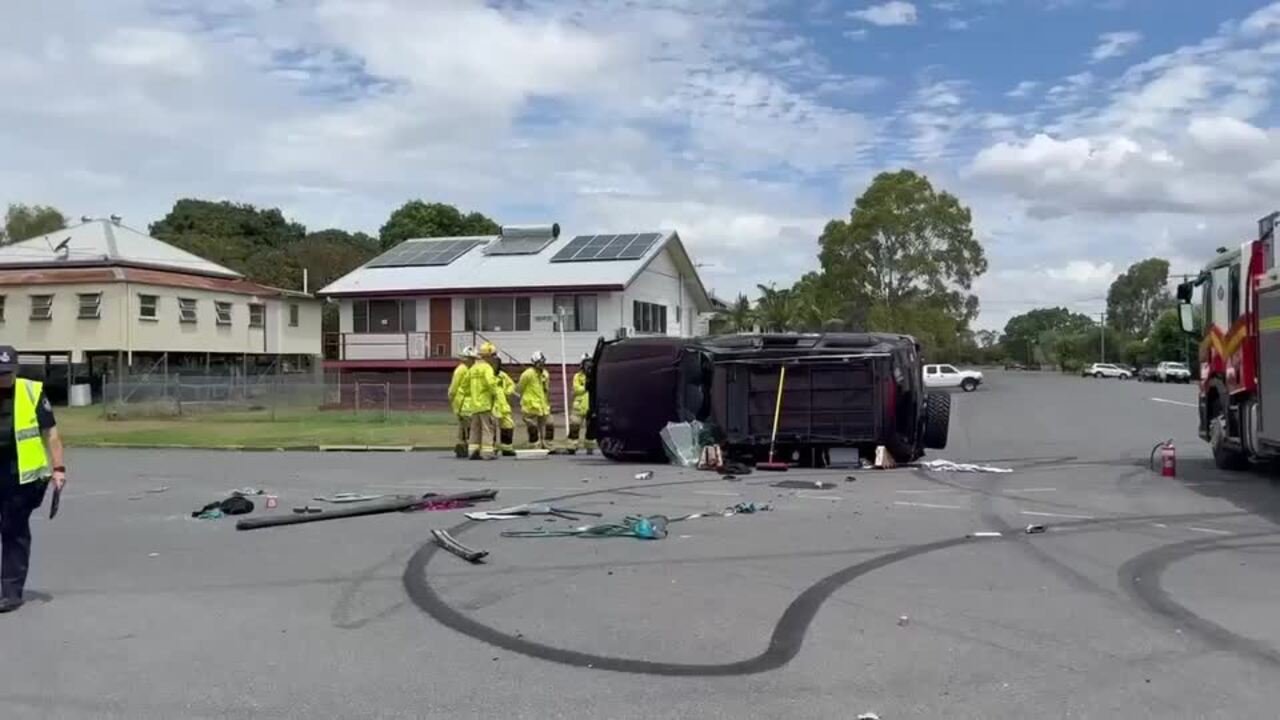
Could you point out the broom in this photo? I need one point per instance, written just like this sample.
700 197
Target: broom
777 413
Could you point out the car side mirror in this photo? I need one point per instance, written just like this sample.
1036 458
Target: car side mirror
1187 318
1185 291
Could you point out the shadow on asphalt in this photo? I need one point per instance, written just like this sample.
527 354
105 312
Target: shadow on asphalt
1256 490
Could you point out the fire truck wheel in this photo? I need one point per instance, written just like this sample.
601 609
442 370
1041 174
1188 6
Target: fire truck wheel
1224 457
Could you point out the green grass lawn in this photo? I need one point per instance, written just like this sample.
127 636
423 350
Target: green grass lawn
88 427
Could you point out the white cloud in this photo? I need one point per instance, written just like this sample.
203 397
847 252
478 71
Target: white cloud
1114 44
957 24
150 48
895 12
1023 89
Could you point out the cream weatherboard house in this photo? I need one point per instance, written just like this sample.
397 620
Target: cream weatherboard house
100 298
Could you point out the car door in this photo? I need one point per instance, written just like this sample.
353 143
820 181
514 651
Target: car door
950 377
930 376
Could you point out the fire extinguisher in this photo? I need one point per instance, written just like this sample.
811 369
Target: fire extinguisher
1168 458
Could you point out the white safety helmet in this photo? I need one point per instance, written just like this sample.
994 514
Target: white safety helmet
537 357
469 352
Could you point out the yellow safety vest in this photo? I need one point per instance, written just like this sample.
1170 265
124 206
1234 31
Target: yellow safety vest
533 386
482 386
458 389
581 398
33 459
501 403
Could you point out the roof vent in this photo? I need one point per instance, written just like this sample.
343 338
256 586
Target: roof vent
115 219
62 250
521 232
85 219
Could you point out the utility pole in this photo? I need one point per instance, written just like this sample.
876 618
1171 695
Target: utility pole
1103 327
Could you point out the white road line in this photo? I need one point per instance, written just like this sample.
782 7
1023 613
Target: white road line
1035 490
1211 531
1159 525
1057 515
819 497
1174 402
930 505
924 492
721 493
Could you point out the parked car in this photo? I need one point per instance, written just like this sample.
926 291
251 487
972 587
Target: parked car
852 390
1106 370
1173 372
1014 366
1148 374
944 376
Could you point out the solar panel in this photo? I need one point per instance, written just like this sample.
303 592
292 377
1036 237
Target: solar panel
418 253
588 248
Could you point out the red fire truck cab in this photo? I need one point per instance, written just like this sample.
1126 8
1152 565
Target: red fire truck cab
1239 349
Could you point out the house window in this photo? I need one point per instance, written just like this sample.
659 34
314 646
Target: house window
293 314
148 307
580 312
186 310
90 306
649 317
257 315
224 312
41 307
383 316
497 314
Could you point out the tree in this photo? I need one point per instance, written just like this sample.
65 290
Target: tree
229 234
739 317
1167 342
1138 296
326 255
818 306
416 219
23 222
1024 333
775 311
987 339
906 248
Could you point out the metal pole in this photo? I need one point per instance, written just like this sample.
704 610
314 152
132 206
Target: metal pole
1104 337
564 370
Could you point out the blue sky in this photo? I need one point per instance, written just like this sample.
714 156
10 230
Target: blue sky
1084 134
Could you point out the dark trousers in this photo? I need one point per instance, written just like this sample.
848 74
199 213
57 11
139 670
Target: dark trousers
17 502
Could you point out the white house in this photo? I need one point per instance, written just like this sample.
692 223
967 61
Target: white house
100 296
420 303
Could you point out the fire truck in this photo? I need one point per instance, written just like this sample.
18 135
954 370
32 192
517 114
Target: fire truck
1239 349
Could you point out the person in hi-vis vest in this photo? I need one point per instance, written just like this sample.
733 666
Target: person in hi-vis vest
30 459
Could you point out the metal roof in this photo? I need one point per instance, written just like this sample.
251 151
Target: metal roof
476 271
105 242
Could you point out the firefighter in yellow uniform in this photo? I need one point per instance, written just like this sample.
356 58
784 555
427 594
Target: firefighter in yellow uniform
458 388
581 405
482 392
502 410
534 387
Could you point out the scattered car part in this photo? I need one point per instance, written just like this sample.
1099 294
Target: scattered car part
1034 529
447 542
390 504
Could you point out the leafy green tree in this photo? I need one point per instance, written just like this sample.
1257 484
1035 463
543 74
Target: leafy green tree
416 219
326 255
1024 334
1138 296
775 309
740 317
1167 342
230 234
23 222
907 248
819 306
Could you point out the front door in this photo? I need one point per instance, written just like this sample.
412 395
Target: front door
440 340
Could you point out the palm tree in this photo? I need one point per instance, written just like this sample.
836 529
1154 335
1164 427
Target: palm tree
739 317
775 310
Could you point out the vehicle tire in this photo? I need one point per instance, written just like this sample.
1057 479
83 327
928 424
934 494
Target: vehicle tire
968 384
1224 458
937 422
1098 375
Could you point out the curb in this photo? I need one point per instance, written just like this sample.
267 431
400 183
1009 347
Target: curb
265 448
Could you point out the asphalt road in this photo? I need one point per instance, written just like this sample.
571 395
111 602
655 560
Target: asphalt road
1147 597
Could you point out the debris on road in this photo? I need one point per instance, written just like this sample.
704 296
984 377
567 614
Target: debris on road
234 505
868 716
950 466
521 511
850 478
652 527
447 542
680 441
1034 529
156 491
389 504
644 475
347 497
532 454
984 534
803 485
903 621
884 459
247 492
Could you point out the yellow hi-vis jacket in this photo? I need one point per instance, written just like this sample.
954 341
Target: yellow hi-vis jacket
482 389
33 459
581 400
502 400
458 388
533 387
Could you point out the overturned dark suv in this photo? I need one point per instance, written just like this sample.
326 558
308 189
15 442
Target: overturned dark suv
846 390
